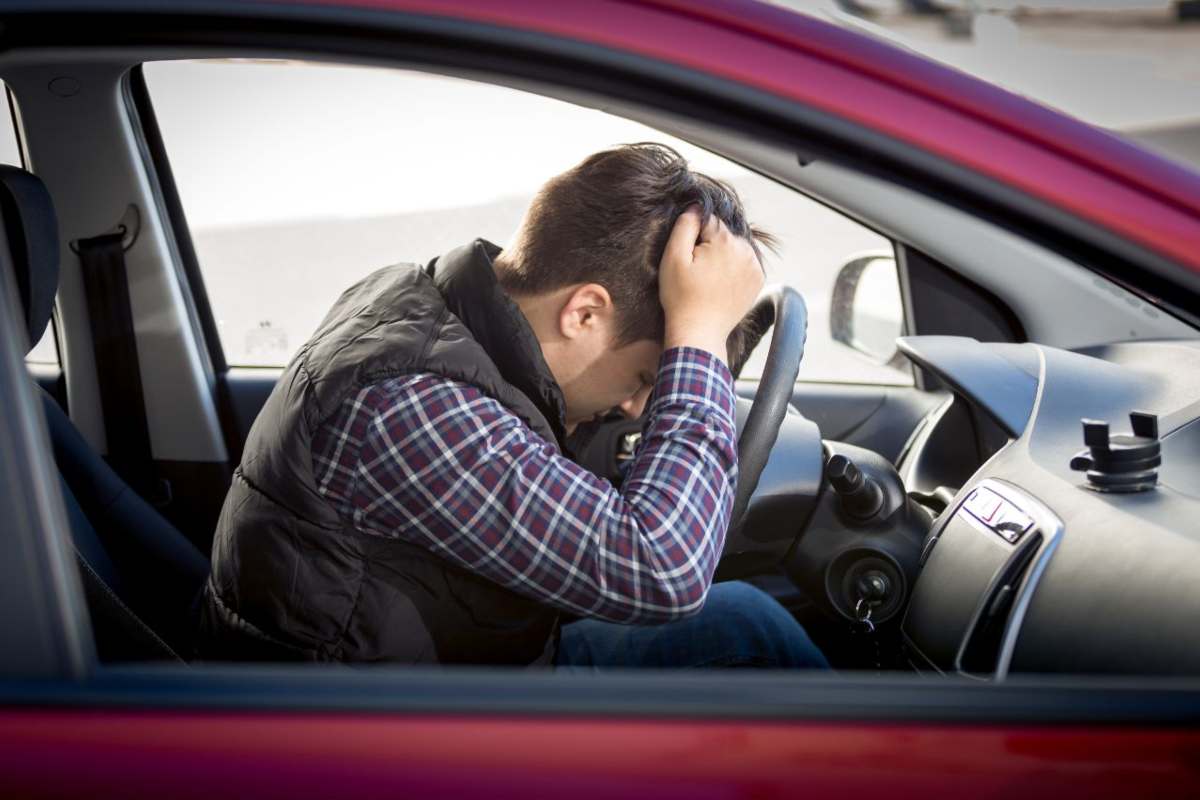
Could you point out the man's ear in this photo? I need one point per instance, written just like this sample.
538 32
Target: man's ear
588 309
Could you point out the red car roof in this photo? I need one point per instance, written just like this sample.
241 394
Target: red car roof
1070 164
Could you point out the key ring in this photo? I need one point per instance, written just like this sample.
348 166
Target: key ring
862 612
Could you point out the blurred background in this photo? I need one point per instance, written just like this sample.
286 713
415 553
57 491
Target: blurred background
1129 65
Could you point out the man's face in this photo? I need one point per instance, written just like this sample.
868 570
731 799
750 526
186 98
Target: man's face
603 376
577 329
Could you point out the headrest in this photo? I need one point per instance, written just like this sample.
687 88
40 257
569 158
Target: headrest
32 231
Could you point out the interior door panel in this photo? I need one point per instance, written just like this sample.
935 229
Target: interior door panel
248 389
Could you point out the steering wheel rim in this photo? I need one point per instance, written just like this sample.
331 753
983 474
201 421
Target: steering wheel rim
783 307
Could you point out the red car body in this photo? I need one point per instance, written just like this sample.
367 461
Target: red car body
108 749
136 754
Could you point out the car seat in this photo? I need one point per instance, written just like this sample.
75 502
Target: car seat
141 576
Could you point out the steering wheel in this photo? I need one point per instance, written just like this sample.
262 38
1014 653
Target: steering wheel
784 307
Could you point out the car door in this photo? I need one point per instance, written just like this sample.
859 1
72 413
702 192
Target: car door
69 723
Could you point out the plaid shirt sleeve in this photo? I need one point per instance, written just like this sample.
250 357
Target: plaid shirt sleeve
440 464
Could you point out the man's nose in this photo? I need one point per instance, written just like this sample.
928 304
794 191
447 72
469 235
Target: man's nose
634 406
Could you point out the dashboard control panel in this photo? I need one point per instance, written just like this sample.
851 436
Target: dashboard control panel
1119 595
996 514
981 565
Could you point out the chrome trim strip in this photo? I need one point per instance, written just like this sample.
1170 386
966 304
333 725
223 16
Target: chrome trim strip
1051 529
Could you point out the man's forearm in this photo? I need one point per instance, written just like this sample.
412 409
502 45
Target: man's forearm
683 478
464 477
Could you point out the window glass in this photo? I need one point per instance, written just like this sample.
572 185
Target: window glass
298 179
10 151
46 350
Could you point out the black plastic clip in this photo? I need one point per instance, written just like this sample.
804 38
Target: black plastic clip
1120 462
129 227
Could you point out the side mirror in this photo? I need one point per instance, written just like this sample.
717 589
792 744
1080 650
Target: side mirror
866 312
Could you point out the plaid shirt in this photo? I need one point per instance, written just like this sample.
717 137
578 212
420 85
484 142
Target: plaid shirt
438 463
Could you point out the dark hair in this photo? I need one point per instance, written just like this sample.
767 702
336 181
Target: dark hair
607 221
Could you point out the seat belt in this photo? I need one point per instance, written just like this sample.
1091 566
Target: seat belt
118 375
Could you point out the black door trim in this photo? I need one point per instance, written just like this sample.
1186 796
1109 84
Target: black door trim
657 694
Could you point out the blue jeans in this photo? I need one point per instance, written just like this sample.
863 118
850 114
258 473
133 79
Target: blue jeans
739 626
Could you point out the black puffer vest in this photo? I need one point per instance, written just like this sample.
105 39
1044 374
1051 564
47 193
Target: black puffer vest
291 579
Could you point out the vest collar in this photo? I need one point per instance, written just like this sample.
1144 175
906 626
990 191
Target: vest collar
467 280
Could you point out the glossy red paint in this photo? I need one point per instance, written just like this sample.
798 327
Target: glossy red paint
206 755
1067 163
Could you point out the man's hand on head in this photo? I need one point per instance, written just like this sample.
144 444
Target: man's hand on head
708 279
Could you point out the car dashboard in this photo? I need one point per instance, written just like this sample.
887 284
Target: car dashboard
1058 555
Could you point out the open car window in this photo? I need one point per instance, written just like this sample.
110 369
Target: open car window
354 168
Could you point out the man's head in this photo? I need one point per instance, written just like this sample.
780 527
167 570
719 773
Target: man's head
583 267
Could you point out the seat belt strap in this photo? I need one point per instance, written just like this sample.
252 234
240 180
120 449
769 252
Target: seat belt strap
117 371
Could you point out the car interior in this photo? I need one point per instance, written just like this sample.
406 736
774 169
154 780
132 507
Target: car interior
1026 505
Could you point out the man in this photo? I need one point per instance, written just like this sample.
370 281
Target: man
403 495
